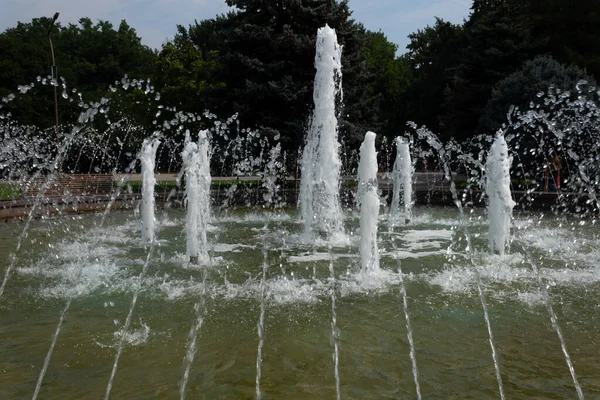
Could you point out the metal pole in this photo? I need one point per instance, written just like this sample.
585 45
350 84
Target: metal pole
54 79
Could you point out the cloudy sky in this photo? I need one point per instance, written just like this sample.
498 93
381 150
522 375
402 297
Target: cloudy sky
155 20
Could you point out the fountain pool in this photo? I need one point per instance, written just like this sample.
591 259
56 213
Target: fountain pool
276 302
451 340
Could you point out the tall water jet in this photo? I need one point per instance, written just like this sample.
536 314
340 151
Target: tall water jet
148 160
497 188
320 181
402 176
196 161
368 201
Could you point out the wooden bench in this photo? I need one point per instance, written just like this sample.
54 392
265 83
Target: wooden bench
70 185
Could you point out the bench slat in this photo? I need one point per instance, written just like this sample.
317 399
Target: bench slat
74 185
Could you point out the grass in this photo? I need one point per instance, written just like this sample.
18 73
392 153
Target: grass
9 191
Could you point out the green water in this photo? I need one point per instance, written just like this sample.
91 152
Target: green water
451 340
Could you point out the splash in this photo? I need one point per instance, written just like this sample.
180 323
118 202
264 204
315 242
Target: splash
402 176
368 200
320 181
196 160
497 188
148 160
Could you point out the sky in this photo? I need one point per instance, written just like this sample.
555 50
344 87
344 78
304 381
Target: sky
155 20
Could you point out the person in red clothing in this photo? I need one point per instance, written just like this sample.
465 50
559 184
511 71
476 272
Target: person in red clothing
553 167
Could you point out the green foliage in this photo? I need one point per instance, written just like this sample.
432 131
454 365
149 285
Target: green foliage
433 57
264 57
462 66
258 61
521 87
185 75
569 30
391 79
88 56
9 191
498 41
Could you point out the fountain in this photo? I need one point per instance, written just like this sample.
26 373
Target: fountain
196 161
88 304
367 198
402 177
320 179
147 157
497 188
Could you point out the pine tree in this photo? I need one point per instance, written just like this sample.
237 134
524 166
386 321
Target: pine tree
520 89
433 55
569 31
266 51
498 42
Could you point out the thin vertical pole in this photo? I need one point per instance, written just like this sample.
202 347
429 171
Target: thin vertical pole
54 79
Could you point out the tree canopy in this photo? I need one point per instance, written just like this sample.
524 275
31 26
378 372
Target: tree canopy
258 61
265 56
88 56
520 88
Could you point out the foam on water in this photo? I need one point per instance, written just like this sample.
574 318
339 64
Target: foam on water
231 247
282 290
368 282
556 241
426 218
253 216
403 255
418 236
168 222
336 240
316 256
76 268
534 298
93 277
509 275
512 272
179 289
133 337
108 267
279 289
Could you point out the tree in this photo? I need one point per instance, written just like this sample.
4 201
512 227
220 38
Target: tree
265 55
498 41
521 88
433 54
89 57
185 75
568 30
391 77
25 54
